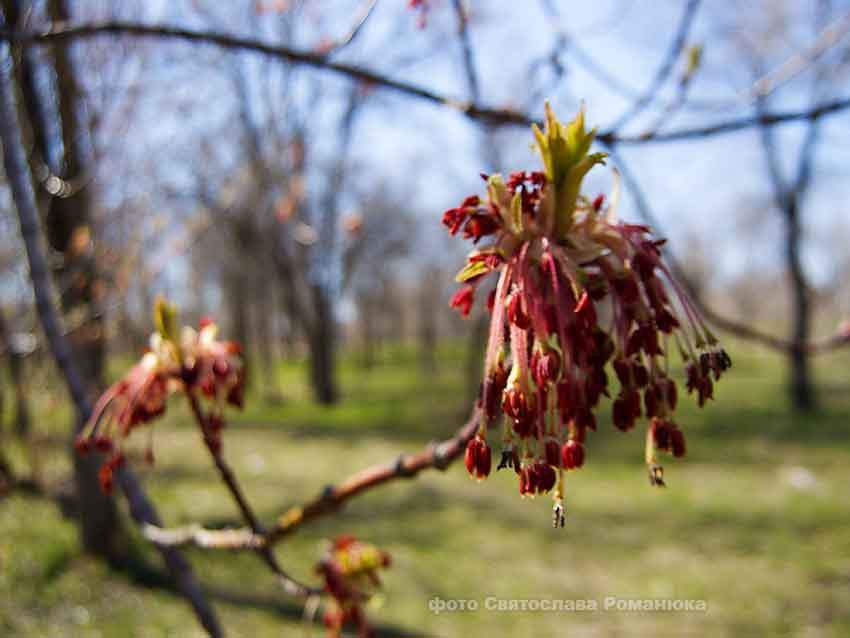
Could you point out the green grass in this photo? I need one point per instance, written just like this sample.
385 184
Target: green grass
755 521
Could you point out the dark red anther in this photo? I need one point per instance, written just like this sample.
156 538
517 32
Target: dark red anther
546 478
640 375
670 393
626 289
478 226
82 444
545 366
552 453
585 419
623 370
665 321
104 475
572 455
623 413
453 219
661 432
598 201
102 443
478 459
516 314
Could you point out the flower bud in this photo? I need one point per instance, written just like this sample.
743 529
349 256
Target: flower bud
477 458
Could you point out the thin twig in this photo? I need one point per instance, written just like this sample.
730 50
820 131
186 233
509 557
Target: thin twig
666 68
800 61
257 538
466 46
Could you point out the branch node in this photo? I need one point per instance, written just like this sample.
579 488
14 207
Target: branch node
401 468
442 458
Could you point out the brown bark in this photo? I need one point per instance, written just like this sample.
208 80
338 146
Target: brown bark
81 291
321 343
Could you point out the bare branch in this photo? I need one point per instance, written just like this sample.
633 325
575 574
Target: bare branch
200 537
468 59
493 116
801 60
255 537
765 119
666 68
437 456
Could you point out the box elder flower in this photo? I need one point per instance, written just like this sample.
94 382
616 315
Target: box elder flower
194 361
577 293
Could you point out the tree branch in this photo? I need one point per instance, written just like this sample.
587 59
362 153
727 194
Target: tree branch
466 46
290 585
493 116
438 456
666 68
765 119
142 510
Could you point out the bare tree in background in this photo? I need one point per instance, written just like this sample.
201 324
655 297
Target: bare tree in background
71 236
789 190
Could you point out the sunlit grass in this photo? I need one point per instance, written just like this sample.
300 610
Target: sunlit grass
755 521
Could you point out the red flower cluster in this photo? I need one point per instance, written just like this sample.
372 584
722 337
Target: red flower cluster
196 362
577 291
350 571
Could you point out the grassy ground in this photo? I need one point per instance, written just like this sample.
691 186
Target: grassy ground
755 521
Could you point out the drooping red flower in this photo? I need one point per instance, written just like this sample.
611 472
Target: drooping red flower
577 290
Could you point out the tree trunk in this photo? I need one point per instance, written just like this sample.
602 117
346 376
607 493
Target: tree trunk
81 291
239 322
801 387
321 344
266 346
428 317
365 310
